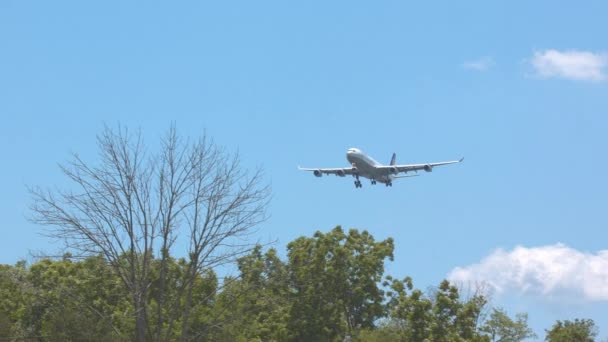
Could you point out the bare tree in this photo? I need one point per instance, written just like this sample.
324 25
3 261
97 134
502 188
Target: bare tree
134 205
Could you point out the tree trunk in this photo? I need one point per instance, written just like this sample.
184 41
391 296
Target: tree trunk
141 325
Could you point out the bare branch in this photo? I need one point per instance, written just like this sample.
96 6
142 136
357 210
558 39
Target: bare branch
132 206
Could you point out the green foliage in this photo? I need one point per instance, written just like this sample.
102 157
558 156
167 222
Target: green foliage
67 300
334 279
386 331
254 306
500 327
204 289
62 300
443 316
579 330
14 300
328 289
78 300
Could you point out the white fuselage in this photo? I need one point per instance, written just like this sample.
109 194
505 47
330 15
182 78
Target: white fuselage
366 166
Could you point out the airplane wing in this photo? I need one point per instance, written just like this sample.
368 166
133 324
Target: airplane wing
337 171
428 167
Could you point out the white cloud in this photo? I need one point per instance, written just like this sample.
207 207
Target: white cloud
481 64
573 65
554 271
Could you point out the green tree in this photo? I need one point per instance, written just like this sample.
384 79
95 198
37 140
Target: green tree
442 316
170 289
15 295
501 328
385 331
334 278
62 300
66 300
255 306
579 330
411 312
78 300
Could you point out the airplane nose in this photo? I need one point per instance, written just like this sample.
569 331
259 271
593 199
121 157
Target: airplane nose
349 156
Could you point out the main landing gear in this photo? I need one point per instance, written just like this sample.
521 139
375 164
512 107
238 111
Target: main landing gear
358 182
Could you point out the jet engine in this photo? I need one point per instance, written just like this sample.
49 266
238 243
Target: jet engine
317 173
393 170
340 173
428 168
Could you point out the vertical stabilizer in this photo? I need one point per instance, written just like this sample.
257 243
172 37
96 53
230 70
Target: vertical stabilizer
393 159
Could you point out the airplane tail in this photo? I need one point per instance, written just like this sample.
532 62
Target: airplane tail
393 159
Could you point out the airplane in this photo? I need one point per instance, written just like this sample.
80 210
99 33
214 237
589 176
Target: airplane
363 165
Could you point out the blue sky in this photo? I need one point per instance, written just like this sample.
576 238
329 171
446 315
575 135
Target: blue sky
517 88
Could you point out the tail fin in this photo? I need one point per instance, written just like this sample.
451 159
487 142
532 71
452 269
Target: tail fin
394 159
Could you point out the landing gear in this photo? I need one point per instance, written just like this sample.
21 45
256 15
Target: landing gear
373 182
389 183
357 182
